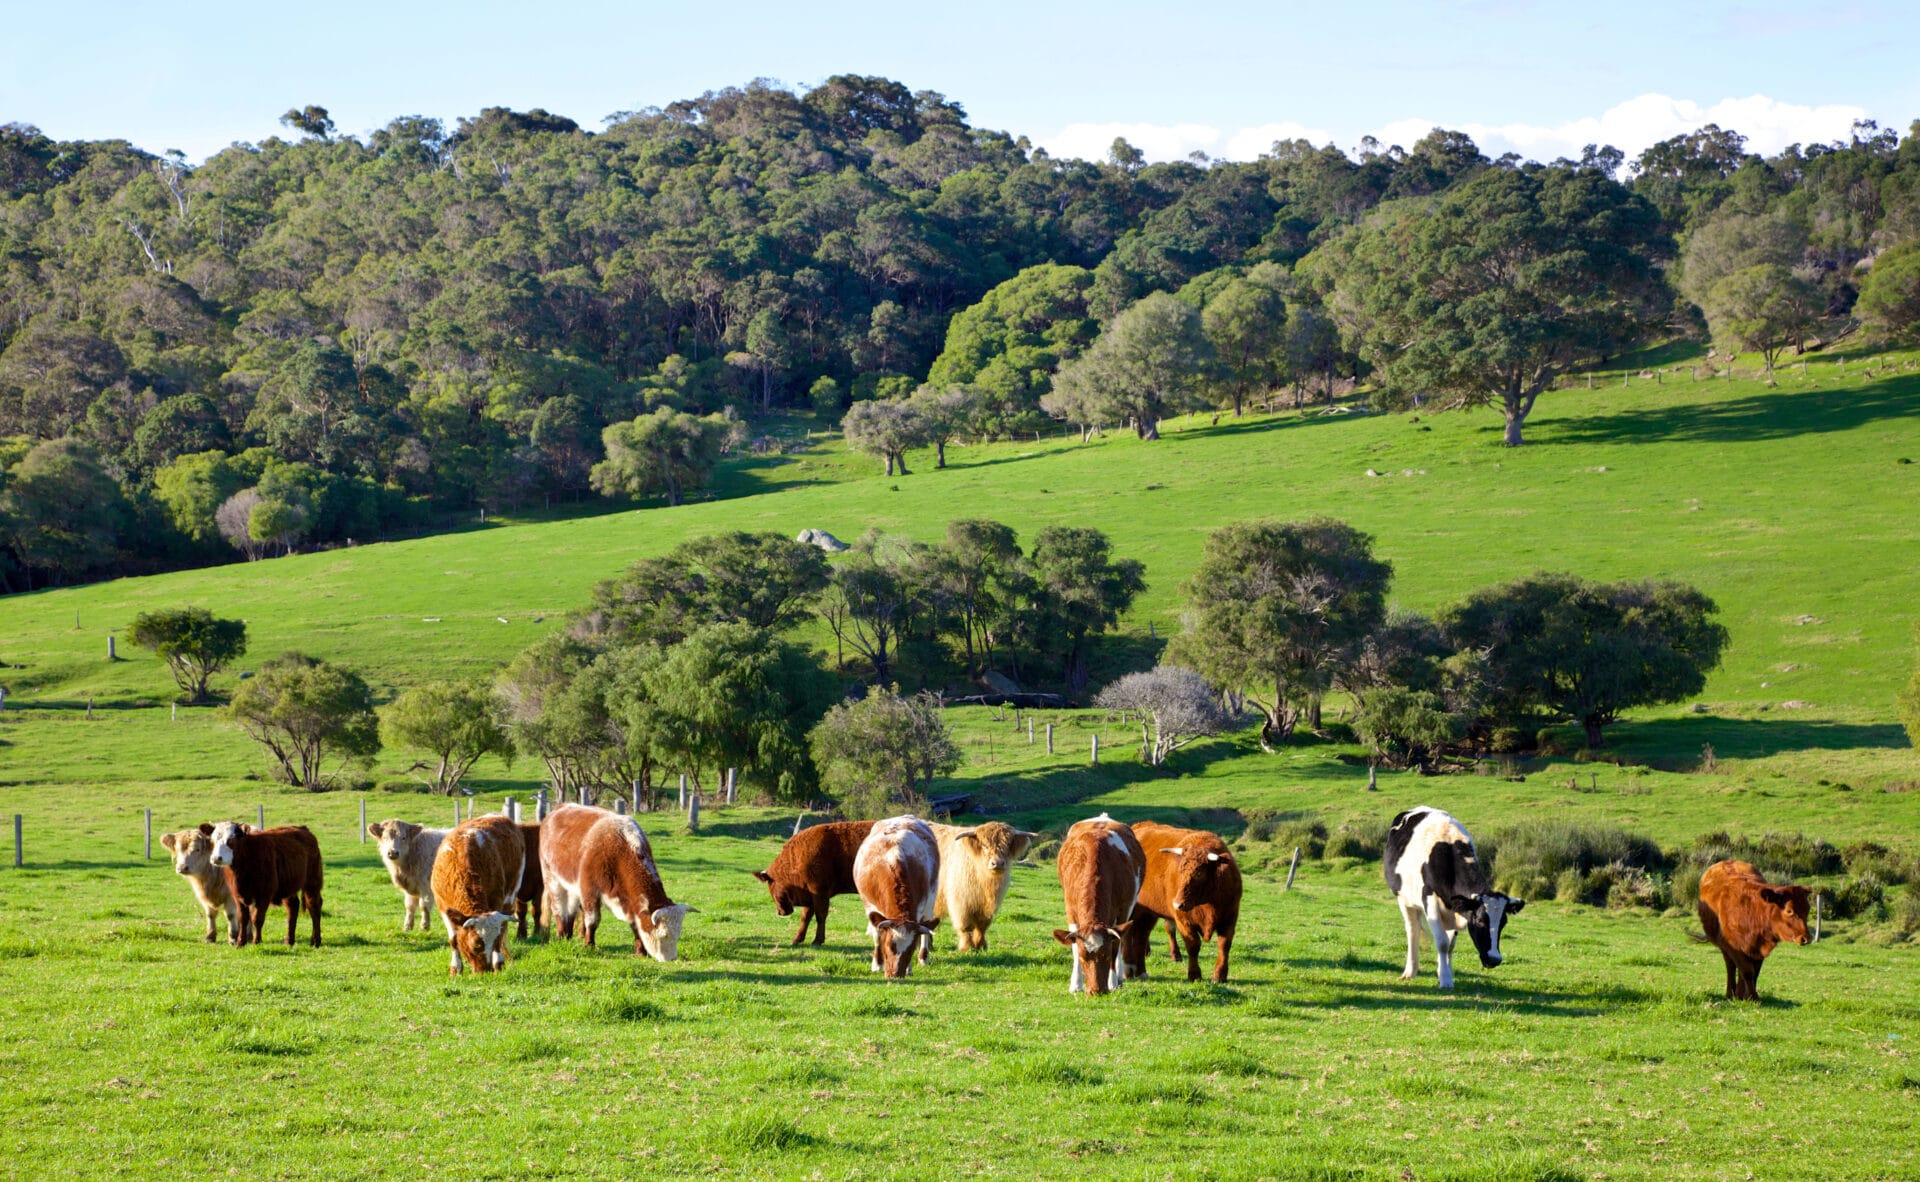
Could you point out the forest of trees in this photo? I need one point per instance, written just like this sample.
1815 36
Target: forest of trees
328 337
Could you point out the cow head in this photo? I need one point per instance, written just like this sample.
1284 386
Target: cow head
1486 917
225 836
192 853
1194 872
895 941
395 839
660 931
1787 907
786 895
998 846
1096 953
481 941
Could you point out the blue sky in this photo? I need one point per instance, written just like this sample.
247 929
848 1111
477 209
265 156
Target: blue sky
1540 78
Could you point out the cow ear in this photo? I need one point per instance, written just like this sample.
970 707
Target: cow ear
763 876
1022 841
169 840
1463 903
931 923
1514 906
879 921
1121 930
1064 936
1778 896
377 830
206 827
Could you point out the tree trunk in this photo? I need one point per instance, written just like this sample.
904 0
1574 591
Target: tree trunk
939 454
889 463
1313 715
1595 739
1147 428
900 464
1514 419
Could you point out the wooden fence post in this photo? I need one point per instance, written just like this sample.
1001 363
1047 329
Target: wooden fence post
540 805
693 813
173 715
683 790
363 821
16 842
511 810
620 805
1096 750
797 822
1292 867
1373 785
1816 917
1029 730
1049 738
149 835
731 781
110 654
262 816
456 813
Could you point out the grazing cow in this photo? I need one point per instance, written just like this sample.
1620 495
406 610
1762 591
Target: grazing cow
1745 917
533 887
815 865
975 867
1194 884
268 866
476 876
590 856
193 859
897 873
1436 874
1101 870
407 850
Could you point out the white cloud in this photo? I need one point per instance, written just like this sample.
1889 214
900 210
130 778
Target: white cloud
1631 126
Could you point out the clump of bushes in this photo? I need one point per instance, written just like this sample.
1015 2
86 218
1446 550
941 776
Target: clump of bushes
1774 855
1558 860
1352 840
1286 829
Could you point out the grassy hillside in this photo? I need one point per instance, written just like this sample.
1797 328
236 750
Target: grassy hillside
1601 1049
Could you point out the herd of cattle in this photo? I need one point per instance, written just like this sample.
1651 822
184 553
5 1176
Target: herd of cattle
1118 882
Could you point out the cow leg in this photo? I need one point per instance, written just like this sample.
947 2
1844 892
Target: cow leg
1442 950
926 947
213 927
1220 965
1412 919
820 907
874 965
313 916
1753 978
1733 975
806 918
453 949
1173 941
1193 941
1077 982
233 921
293 918
520 914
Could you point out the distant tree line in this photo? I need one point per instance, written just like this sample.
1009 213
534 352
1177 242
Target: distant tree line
331 336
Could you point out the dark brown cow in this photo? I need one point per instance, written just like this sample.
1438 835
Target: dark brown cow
1192 883
533 887
1101 867
1745 917
815 865
268 866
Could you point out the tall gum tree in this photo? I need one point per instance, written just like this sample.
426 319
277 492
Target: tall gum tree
1488 292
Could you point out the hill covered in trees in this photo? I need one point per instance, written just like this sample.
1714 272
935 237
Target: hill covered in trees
314 339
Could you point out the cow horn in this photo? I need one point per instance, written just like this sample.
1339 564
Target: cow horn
1212 857
1176 851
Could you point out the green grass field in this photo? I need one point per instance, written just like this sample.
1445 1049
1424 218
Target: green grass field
1601 1049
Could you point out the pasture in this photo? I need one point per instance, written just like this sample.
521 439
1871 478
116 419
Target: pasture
1600 1050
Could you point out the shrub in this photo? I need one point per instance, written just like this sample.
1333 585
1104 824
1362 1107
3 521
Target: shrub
1906 908
1351 841
1506 740
1856 898
1544 849
1777 856
1404 727
400 786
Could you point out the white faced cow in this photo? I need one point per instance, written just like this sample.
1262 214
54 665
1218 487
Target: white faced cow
1436 874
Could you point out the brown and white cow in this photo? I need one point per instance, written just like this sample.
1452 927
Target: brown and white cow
533 886
897 873
476 876
193 860
269 866
407 850
975 867
1194 885
590 856
1101 869
1746 917
815 865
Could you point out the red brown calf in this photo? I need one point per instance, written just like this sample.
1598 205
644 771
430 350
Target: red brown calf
265 867
897 871
815 865
1101 868
1746 917
1193 883
589 856
476 875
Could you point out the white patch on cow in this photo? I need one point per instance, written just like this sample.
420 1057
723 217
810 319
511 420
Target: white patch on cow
223 835
479 838
1077 982
1115 976
662 940
1496 916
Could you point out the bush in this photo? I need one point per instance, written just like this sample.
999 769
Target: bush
400 786
1546 849
1351 841
1870 857
1507 740
1856 898
1778 857
1906 908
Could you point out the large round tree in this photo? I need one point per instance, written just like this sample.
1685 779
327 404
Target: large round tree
1488 292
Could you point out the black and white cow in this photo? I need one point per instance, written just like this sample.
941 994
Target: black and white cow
1436 875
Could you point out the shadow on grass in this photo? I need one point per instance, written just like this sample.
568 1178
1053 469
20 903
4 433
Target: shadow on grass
1752 738
1421 994
1792 412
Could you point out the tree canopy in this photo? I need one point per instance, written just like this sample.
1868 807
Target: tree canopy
194 643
